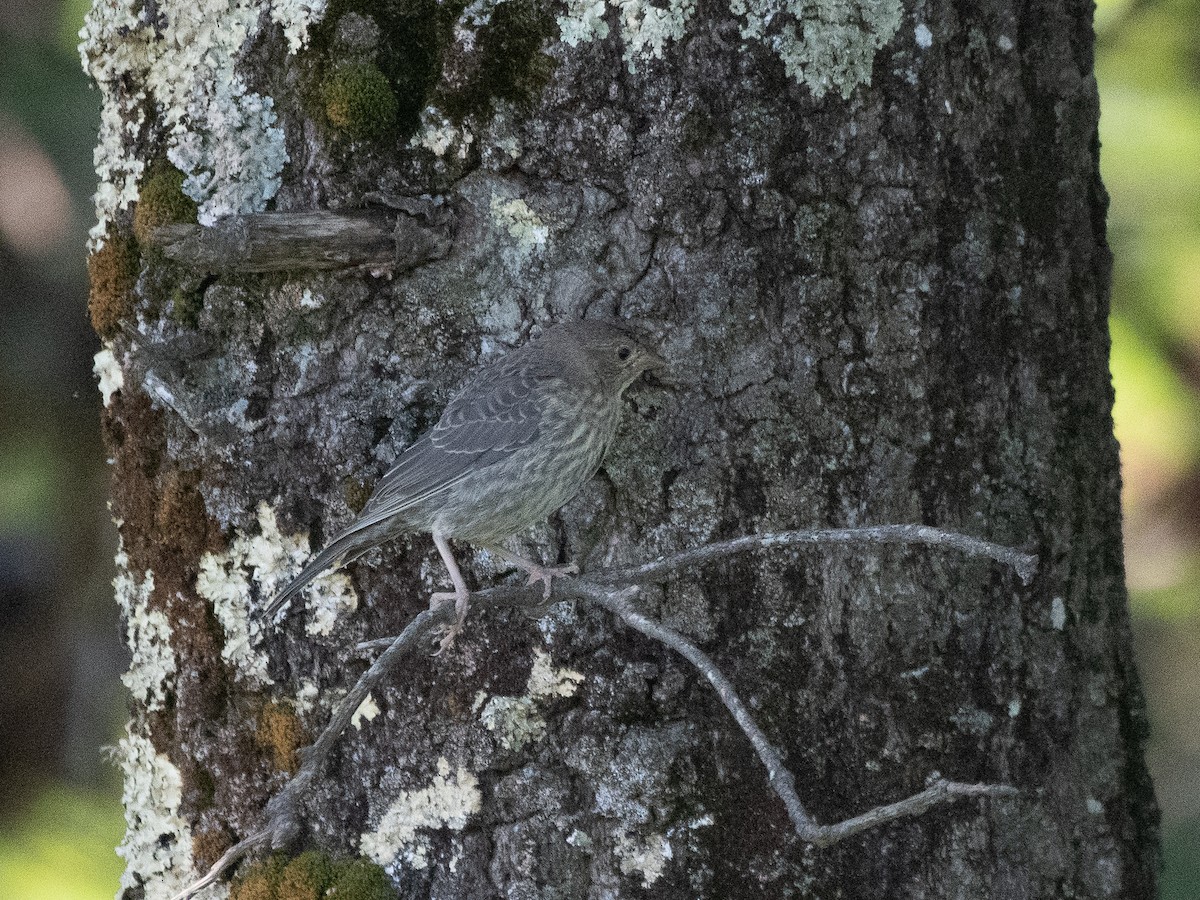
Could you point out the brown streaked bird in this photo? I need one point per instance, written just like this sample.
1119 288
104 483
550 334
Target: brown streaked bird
518 441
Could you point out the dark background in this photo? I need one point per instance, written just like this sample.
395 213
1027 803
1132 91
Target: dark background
61 647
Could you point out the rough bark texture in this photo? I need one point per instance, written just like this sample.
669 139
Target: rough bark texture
888 306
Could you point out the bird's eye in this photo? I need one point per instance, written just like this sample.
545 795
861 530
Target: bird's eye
624 353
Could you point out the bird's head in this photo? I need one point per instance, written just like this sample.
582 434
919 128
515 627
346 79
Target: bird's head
613 353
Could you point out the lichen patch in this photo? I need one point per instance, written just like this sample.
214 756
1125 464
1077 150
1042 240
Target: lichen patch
517 721
152 664
157 847
108 373
266 560
447 802
183 65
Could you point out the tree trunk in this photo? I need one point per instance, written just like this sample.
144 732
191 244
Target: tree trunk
868 239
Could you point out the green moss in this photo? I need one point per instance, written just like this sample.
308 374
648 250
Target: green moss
161 201
506 64
511 64
313 875
306 877
259 880
360 879
359 101
414 33
112 275
186 302
357 492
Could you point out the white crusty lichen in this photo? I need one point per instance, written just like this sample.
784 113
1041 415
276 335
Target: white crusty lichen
157 847
825 44
108 372
522 224
446 803
366 712
296 17
152 663
646 856
269 559
439 135
517 720
180 62
646 28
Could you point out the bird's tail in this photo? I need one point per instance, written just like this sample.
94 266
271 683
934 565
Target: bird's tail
341 550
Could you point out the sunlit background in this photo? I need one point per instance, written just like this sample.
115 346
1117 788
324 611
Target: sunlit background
60 642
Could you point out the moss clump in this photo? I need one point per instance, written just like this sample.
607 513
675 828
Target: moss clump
414 34
359 101
280 732
306 877
112 276
208 846
161 201
312 875
357 493
260 880
360 879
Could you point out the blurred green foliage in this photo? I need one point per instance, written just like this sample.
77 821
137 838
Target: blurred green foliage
63 847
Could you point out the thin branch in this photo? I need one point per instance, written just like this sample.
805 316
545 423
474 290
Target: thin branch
1025 564
284 810
781 780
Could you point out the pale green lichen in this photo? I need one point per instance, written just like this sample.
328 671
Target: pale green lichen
152 665
583 22
824 44
447 802
516 721
646 28
270 559
157 847
522 224
183 65
440 136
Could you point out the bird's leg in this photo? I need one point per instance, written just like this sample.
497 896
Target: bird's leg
460 596
536 571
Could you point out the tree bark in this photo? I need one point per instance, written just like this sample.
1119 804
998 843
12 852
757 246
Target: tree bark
869 240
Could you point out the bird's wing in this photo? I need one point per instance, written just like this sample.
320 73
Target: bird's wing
498 411
492 416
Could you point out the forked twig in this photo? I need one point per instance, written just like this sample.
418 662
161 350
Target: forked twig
604 588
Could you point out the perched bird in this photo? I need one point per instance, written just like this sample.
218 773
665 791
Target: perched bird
518 441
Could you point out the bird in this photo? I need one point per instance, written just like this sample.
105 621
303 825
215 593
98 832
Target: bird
514 444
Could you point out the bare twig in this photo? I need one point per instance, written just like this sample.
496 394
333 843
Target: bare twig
601 587
781 780
1025 564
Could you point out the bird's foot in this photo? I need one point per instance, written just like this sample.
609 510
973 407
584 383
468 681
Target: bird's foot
450 632
545 574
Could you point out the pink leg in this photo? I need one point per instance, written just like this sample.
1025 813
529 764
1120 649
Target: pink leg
536 571
460 596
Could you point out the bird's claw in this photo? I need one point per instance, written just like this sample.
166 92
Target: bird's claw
546 574
450 632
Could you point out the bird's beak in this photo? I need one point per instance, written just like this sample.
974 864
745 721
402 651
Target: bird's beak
653 360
